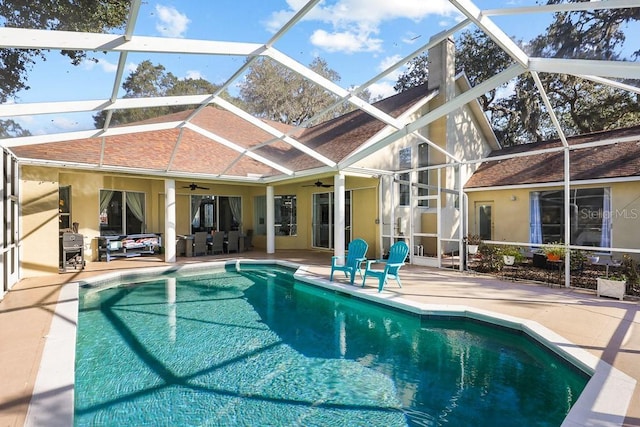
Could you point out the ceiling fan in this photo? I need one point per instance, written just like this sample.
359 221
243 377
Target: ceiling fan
319 183
194 186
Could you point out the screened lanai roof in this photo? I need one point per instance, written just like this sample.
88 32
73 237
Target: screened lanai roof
220 40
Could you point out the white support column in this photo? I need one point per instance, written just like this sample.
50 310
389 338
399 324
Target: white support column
463 226
271 238
170 220
339 210
567 216
380 215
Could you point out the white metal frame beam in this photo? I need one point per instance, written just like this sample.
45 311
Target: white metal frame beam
564 7
435 114
586 67
549 107
472 12
23 38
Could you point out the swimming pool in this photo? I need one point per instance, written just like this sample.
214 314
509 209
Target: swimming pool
255 347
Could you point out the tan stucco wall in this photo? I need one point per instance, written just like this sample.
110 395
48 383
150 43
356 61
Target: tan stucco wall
511 217
39 239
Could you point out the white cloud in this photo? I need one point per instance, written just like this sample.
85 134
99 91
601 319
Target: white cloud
347 42
387 63
106 66
171 23
382 89
194 74
354 23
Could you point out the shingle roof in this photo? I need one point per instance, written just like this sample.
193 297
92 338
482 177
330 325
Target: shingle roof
620 159
186 151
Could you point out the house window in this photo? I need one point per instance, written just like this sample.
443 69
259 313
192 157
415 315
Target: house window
404 162
590 216
121 212
285 215
217 213
64 207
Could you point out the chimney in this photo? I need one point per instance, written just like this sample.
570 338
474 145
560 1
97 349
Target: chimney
442 68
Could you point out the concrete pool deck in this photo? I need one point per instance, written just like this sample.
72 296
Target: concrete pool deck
605 328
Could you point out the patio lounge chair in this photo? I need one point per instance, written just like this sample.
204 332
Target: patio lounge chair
356 255
397 254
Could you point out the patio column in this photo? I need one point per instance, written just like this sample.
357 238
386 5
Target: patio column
271 239
338 214
170 220
567 216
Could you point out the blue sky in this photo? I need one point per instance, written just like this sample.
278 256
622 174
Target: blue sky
358 38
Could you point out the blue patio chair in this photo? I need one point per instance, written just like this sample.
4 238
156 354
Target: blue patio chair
356 255
397 254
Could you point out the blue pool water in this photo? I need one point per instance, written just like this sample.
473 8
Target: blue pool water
257 348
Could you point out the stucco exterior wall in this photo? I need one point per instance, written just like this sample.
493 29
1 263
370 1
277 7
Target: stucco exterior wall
510 218
38 221
511 212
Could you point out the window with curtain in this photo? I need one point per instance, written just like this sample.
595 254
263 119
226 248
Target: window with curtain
404 162
121 212
589 216
219 213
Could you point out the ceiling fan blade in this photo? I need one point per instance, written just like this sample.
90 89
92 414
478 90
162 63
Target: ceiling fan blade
318 184
195 187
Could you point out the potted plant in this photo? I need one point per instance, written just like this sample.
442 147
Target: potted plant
554 251
511 255
613 285
473 241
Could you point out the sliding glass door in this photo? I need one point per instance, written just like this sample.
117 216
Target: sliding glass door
323 220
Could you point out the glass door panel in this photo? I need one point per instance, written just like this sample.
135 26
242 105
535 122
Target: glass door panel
322 220
484 220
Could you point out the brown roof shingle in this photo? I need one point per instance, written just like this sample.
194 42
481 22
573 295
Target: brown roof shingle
197 153
620 159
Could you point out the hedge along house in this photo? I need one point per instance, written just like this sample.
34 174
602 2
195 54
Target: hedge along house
520 195
413 162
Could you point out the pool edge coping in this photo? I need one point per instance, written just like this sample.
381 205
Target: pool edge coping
604 401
